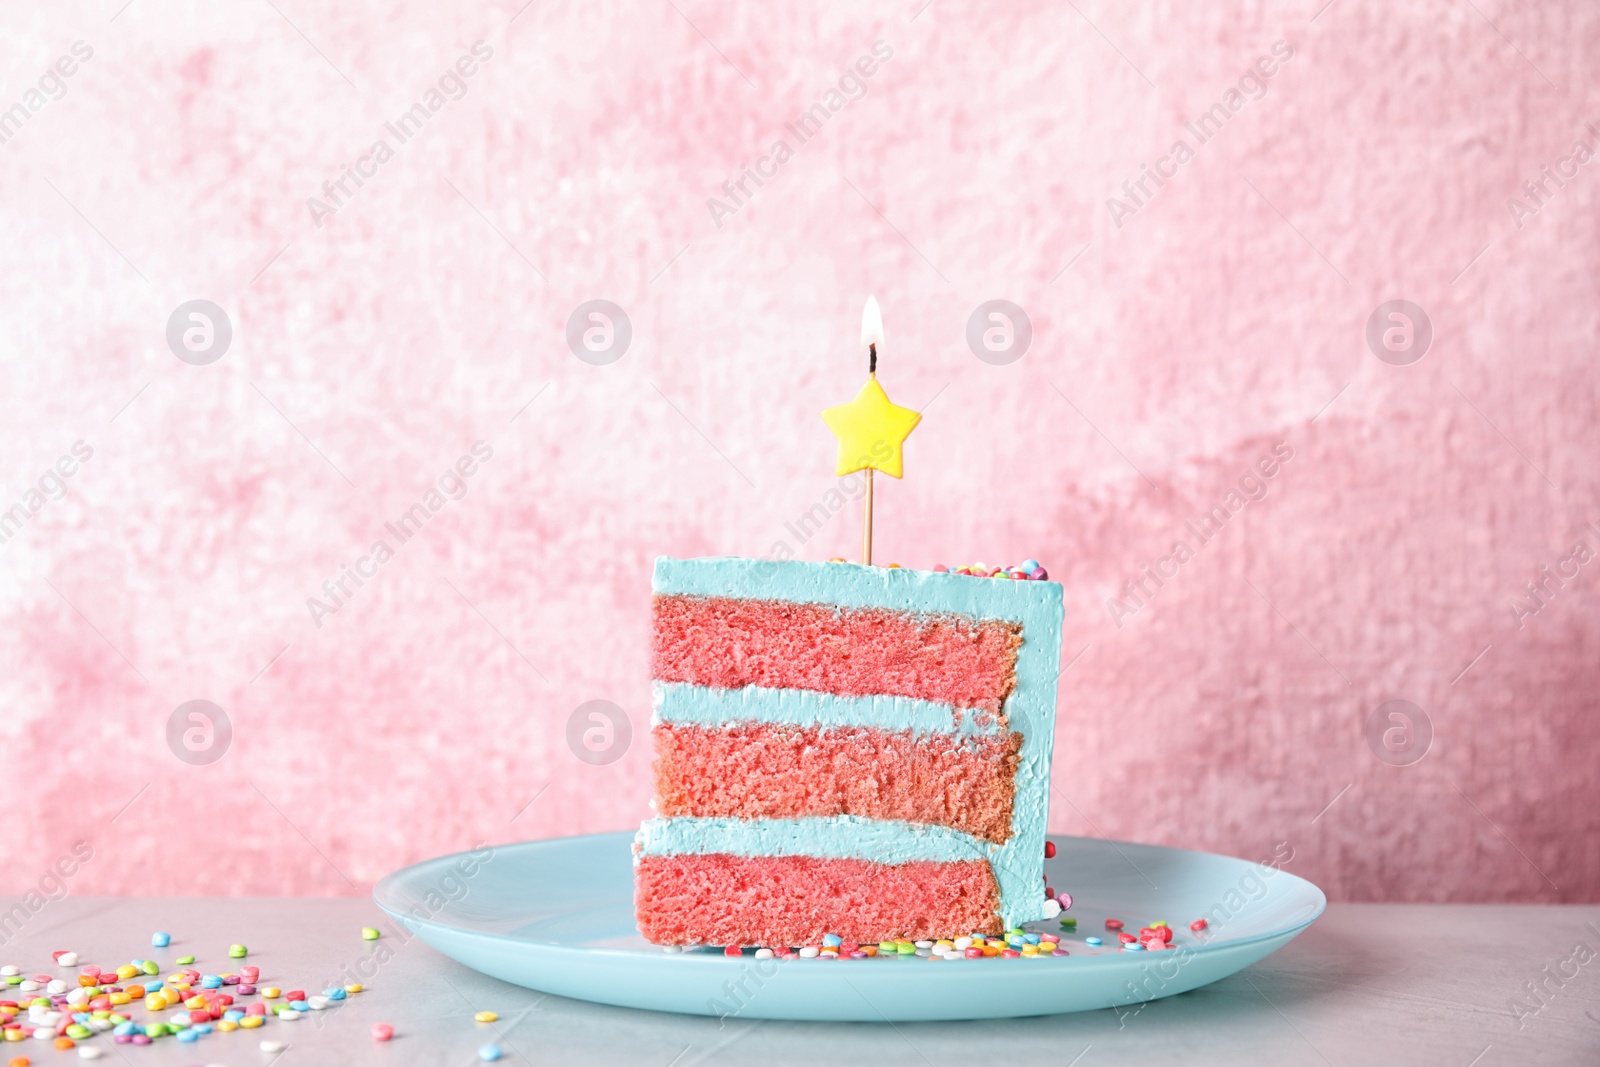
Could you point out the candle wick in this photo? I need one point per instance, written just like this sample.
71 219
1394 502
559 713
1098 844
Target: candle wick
872 358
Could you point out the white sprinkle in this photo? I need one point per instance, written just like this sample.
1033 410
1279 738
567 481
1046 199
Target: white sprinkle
1052 908
77 996
923 944
58 986
10 970
28 985
925 953
290 1016
67 959
272 1046
963 943
763 953
89 1052
671 948
809 952
317 1002
45 1033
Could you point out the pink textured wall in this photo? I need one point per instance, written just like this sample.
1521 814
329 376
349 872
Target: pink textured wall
1179 336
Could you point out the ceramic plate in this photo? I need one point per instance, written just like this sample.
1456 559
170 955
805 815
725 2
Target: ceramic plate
557 916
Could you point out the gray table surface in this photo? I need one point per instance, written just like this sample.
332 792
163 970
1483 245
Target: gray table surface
1367 984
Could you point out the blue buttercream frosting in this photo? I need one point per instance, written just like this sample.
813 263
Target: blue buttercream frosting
699 705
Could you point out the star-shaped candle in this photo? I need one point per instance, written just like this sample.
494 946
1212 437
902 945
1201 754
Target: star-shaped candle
871 430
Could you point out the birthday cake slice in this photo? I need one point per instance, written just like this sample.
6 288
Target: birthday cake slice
846 750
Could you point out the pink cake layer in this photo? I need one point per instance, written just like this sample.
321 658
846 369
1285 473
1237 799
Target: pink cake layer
720 899
769 771
729 643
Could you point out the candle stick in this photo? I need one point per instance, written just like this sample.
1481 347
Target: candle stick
870 429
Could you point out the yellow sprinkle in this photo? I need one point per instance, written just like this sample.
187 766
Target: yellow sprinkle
1030 950
1047 947
272 992
250 1022
485 1017
120 998
127 970
195 1003
354 987
155 1002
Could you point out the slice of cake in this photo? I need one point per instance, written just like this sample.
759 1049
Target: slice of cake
849 750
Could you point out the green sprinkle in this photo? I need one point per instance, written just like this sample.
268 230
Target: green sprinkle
1069 924
184 961
78 1031
370 933
15 979
156 1030
149 967
907 949
40 1002
238 952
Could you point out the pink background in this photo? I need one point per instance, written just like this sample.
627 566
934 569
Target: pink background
1170 352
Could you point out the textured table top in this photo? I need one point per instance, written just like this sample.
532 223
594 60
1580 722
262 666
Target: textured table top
1368 983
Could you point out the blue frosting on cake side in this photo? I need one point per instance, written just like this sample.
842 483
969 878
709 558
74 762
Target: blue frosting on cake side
1018 864
700 705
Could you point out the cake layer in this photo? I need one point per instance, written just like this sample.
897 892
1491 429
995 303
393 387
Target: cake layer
730 642
724 899
766 770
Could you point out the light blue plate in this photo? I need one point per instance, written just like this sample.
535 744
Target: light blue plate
557 916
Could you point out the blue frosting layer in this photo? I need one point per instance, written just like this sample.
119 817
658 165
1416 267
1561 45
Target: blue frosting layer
846 837
683 702
1030 710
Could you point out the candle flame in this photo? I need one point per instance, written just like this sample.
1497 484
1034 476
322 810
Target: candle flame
871 323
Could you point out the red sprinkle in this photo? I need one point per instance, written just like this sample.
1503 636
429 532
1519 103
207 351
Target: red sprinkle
1113 924
382 1031
1126 939
733 950
295 994
1049 850
1198 924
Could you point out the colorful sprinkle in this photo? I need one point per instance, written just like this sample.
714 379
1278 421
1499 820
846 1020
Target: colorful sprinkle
238 952
489 1053
1198 925
161 939
485 1017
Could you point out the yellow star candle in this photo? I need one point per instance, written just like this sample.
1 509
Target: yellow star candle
871 430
